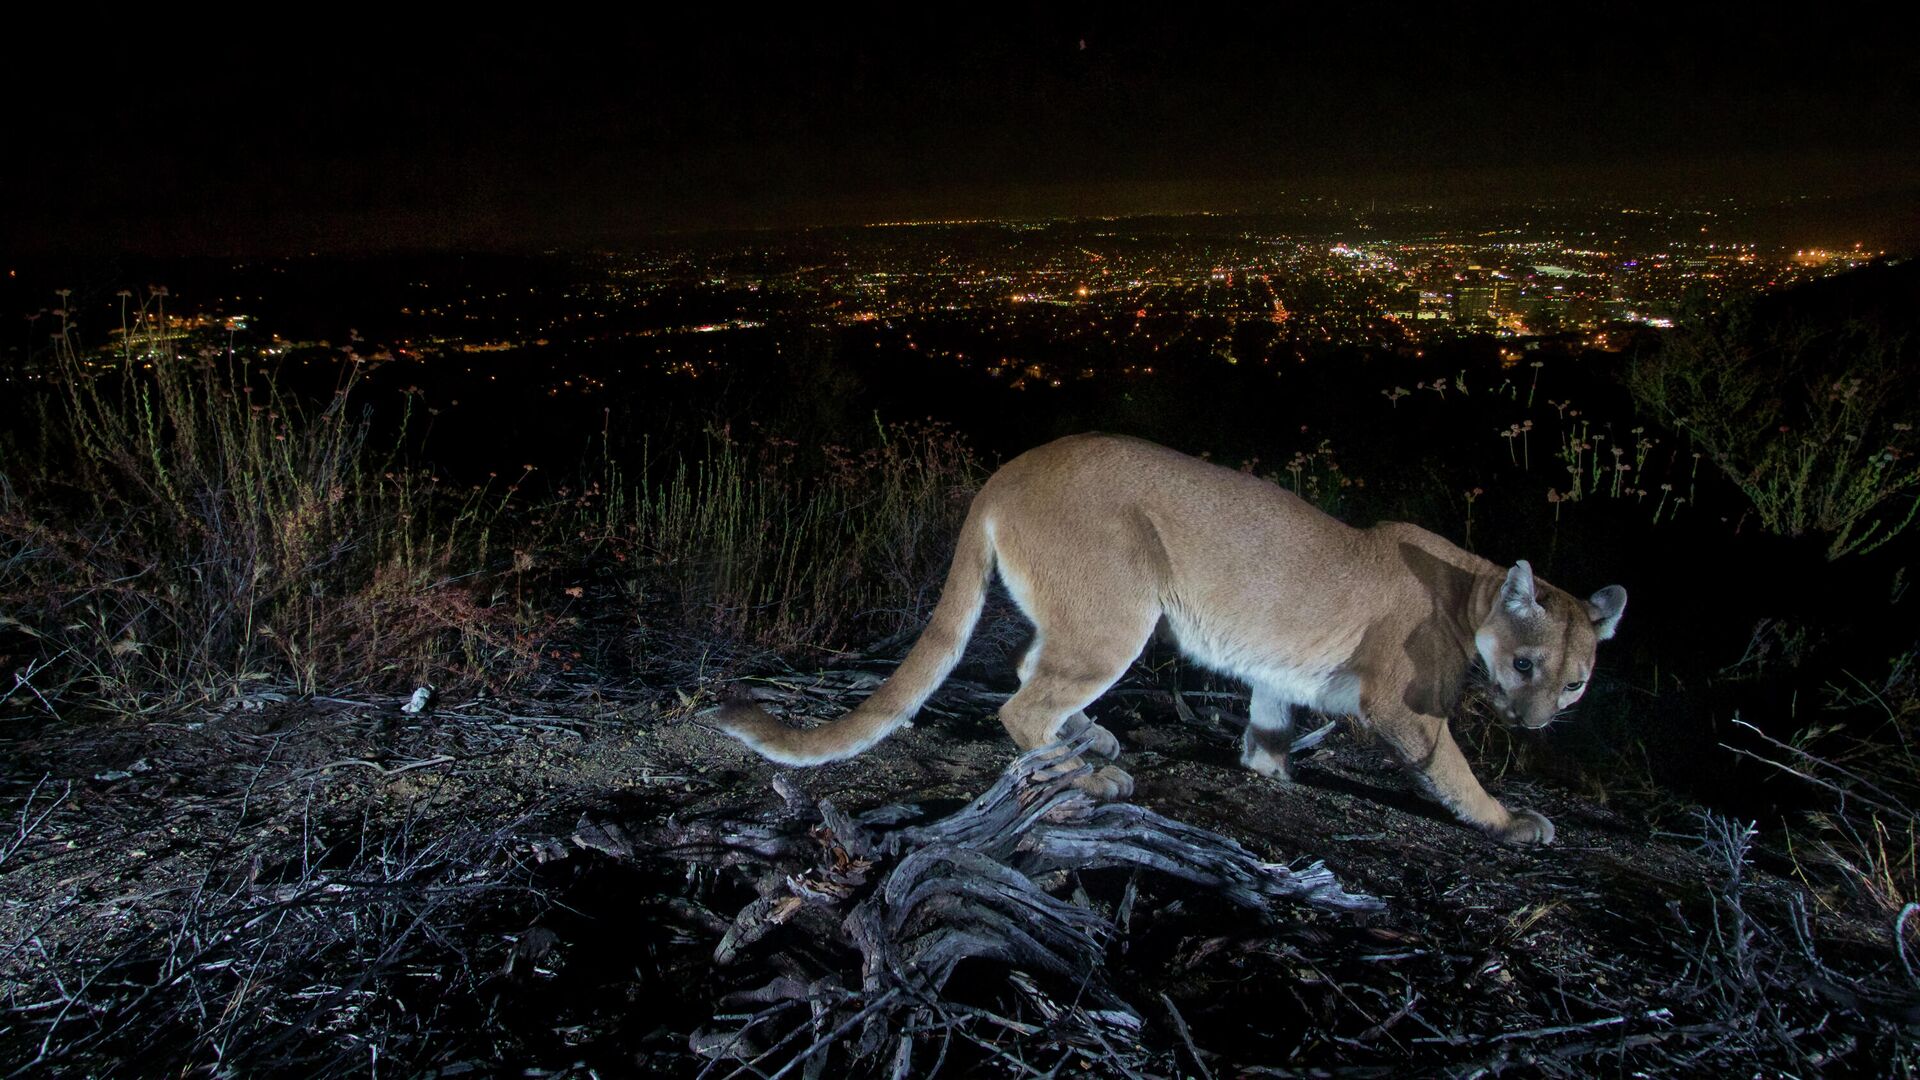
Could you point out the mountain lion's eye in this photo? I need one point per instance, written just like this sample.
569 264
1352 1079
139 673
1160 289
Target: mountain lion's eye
1576 685
1522 665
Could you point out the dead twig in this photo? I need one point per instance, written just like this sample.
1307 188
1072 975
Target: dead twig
26 828
345 763
1186 1036
1874 796
1900 940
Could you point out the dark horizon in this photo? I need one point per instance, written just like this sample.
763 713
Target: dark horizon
206 140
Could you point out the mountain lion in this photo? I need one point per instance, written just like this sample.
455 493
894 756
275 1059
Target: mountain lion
1099 538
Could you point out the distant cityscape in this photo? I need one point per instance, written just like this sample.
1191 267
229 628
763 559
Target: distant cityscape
1038 304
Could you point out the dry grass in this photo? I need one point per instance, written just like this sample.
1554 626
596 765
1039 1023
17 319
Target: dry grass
754 543
189 533
1864 851
203 533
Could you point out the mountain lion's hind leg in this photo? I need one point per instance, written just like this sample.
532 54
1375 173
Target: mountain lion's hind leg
1064 678
1104 744
1269 734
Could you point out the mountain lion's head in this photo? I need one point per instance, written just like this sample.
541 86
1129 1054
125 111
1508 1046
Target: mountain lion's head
1538 643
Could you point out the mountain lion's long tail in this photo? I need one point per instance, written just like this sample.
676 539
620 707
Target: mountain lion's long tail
927 664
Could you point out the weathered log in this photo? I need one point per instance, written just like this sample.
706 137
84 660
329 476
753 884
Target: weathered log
922 898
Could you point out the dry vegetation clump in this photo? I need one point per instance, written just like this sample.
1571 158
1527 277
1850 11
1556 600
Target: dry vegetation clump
754 543
1861 850
206 535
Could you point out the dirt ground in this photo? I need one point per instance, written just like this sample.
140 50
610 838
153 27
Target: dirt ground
332 886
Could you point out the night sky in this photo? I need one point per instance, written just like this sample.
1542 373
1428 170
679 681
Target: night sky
166 135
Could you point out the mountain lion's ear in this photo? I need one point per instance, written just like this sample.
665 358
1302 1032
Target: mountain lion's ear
1516 595
1606 607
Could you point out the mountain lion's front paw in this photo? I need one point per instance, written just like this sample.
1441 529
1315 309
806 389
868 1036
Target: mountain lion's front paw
1526 828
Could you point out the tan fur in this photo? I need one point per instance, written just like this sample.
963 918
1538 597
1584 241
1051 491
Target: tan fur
1099 538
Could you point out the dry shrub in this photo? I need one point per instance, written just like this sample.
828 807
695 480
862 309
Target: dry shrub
1869 842
206 534
444 633
769 546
